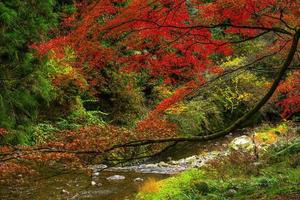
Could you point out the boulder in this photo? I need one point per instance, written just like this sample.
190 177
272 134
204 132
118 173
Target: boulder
243 143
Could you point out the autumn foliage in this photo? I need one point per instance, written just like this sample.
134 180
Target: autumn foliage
77 147
175 40
290 92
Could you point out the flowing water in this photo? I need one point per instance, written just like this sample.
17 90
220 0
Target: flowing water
77 186
74 185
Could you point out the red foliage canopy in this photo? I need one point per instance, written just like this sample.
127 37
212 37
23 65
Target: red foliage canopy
290 89
177 40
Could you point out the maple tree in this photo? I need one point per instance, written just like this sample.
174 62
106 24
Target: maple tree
180 41
290 88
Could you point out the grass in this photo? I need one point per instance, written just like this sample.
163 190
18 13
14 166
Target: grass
238 176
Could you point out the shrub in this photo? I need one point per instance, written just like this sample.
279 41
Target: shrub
196 117
121 97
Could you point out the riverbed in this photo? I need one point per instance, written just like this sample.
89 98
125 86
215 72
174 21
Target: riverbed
97 186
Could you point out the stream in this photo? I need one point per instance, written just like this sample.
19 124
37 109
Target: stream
116 183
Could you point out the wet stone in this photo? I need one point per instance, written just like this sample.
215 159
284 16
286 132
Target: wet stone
115 178
138 179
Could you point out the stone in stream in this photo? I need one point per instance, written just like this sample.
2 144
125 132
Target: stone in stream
96 174
138 179
99 167
191 160
162 164
115 178
63 191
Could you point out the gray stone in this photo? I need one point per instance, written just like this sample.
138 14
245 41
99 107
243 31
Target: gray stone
138 179
96 174
231 192
115 178
162 164
63 191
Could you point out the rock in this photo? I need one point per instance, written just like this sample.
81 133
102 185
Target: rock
162 164
217 144
158 172
191 159
182 162
231 192
93 183
98 167
257 164
115 178
150 166
198 164
173 162
242 143
63 191
96 174
229 135
138 179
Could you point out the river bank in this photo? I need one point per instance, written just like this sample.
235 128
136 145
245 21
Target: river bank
125 181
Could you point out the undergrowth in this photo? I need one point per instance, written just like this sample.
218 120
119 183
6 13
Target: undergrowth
240 175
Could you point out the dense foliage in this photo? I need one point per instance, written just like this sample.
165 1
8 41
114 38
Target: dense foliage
24 79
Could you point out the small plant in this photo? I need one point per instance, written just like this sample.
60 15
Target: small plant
43 132
151 185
